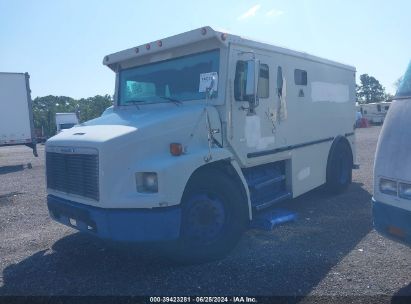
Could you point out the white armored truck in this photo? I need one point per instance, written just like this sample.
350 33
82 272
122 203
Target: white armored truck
392 168
207 128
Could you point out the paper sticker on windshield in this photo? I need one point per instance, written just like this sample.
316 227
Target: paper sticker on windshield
208 81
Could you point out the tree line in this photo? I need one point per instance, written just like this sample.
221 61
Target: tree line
371 90
45 109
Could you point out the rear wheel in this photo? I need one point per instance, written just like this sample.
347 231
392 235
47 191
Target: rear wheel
339 166
214 215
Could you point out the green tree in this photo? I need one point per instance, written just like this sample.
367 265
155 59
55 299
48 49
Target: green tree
93 107
45 109
370 90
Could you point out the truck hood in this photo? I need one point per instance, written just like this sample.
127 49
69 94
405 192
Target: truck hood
132 122
393 157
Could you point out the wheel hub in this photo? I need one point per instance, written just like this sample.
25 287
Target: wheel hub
205 217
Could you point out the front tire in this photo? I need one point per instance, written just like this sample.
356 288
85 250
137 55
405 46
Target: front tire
214 216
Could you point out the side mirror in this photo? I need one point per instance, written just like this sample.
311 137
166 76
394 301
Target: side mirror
251 89
250 85
253 69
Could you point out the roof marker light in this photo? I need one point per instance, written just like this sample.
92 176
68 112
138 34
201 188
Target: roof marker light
106 58
148 46
159 43
203 31
136 50
224 36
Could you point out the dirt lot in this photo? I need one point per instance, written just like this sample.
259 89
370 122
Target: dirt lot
330 250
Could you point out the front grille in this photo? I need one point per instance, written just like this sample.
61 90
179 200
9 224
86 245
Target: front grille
73 173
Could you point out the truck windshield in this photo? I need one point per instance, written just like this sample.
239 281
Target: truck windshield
179 79
405 86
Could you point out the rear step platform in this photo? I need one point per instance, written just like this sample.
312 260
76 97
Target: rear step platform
269 219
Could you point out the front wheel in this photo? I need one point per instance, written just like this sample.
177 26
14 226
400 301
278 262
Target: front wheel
214 216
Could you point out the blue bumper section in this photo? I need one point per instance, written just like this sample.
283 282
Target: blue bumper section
392 222
128 225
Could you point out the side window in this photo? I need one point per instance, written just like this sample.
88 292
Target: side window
300 77
240 81
379 108
264 81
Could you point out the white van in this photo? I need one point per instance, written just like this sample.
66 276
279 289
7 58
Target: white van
65 121
374 112
392 168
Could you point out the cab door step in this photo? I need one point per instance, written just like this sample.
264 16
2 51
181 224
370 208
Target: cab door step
268 182
265 204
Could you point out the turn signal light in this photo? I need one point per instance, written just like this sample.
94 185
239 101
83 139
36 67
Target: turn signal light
176 149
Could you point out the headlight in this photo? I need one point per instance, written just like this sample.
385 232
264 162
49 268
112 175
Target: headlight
388 186
404 190
147 182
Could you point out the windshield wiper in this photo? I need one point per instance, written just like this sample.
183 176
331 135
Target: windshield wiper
175 101
134 101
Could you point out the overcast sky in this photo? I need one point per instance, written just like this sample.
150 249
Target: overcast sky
62 43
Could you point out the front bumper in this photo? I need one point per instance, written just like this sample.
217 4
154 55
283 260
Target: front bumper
128 225
392 222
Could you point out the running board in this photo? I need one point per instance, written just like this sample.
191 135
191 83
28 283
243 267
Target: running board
283 196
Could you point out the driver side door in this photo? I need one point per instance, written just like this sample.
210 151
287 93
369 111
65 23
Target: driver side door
251 119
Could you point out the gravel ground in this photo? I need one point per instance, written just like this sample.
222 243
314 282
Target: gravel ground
330 250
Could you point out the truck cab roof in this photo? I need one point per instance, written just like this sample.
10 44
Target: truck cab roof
202 34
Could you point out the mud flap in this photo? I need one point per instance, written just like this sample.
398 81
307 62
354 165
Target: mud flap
34 147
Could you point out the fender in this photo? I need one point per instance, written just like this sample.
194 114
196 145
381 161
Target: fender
336 141
245 186
175 171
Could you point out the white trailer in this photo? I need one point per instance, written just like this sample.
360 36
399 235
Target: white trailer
207 128
16 116
65 121
392 168
374 112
